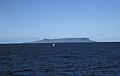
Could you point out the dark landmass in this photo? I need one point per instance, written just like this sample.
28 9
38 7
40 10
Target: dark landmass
64 40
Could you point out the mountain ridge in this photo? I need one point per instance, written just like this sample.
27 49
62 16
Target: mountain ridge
64 40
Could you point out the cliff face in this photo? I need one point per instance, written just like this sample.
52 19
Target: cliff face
64 40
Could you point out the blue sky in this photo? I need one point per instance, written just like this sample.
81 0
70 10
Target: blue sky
27 20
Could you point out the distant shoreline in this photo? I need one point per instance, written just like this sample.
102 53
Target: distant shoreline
55 43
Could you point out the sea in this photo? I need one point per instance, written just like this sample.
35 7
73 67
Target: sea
64 59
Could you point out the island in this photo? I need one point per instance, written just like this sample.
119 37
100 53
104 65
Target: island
64 40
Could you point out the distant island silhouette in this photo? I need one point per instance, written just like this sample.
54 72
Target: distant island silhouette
64 40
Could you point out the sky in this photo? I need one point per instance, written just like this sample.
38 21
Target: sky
25 20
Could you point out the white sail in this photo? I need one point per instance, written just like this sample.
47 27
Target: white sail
53 45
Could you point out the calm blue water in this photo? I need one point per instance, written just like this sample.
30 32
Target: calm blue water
75 59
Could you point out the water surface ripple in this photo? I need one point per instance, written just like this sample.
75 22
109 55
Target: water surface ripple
75 59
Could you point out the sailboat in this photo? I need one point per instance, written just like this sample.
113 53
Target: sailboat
53 45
